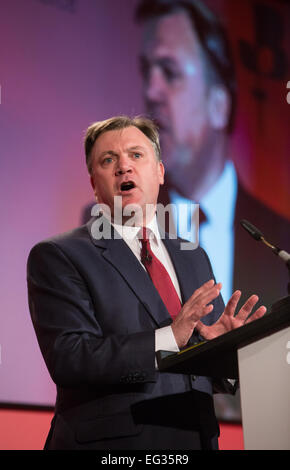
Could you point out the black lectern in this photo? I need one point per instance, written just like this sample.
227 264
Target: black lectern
258 354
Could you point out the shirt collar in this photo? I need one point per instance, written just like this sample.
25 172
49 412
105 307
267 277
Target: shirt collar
219 202
128 232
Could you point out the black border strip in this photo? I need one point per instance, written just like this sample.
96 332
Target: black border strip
25 407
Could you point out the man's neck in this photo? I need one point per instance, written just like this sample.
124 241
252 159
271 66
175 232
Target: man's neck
139 218
197 180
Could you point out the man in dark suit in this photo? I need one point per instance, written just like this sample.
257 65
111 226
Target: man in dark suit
100 298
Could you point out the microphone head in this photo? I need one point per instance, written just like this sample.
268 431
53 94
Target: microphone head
251 229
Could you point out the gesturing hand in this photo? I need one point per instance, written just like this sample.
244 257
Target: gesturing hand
228 320
196 307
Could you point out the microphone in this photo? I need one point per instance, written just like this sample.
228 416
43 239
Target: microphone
257 235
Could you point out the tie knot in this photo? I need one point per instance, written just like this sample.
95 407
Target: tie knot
144 234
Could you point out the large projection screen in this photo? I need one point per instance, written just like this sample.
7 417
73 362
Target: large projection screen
67 63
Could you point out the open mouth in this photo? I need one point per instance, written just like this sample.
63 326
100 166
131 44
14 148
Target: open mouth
127 186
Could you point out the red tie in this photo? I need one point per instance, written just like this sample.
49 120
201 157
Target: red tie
159 277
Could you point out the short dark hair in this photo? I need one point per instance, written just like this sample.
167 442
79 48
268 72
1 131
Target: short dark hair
144 124
212 37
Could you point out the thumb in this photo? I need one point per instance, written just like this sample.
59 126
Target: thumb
201 328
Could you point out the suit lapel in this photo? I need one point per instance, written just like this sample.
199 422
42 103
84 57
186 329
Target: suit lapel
118 254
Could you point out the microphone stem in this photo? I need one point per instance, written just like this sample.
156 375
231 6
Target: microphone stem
274 248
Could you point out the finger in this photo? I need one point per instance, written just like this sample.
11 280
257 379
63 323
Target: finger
193 319
209 295
201 308
232 303
259 313
198 324
201 328
247 308
195 307
207 285
206 295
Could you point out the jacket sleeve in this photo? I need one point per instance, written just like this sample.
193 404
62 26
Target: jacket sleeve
73 345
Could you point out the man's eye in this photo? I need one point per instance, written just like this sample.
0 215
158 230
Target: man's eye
171 74
144 68
107 160
137 155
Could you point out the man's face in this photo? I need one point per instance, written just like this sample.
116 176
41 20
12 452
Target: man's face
124 164
175 91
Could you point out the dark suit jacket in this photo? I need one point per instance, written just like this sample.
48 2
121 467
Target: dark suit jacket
95 311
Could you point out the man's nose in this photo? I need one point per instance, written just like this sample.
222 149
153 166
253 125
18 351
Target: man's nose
124 165
155 87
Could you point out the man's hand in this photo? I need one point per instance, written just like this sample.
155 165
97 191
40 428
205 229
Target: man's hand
193 310
228 320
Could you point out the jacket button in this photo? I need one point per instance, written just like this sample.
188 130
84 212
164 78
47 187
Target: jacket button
125 379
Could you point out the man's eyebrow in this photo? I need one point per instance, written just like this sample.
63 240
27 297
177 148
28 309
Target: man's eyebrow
162 61
136 147
129 149
107 152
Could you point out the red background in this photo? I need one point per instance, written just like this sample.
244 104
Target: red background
27 430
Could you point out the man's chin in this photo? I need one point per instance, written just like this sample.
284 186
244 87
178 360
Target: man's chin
133 214
125 210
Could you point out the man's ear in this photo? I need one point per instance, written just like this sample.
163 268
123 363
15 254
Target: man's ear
93 186
219 104
161 170
92 182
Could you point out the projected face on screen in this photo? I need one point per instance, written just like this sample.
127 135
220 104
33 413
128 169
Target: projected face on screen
191 112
